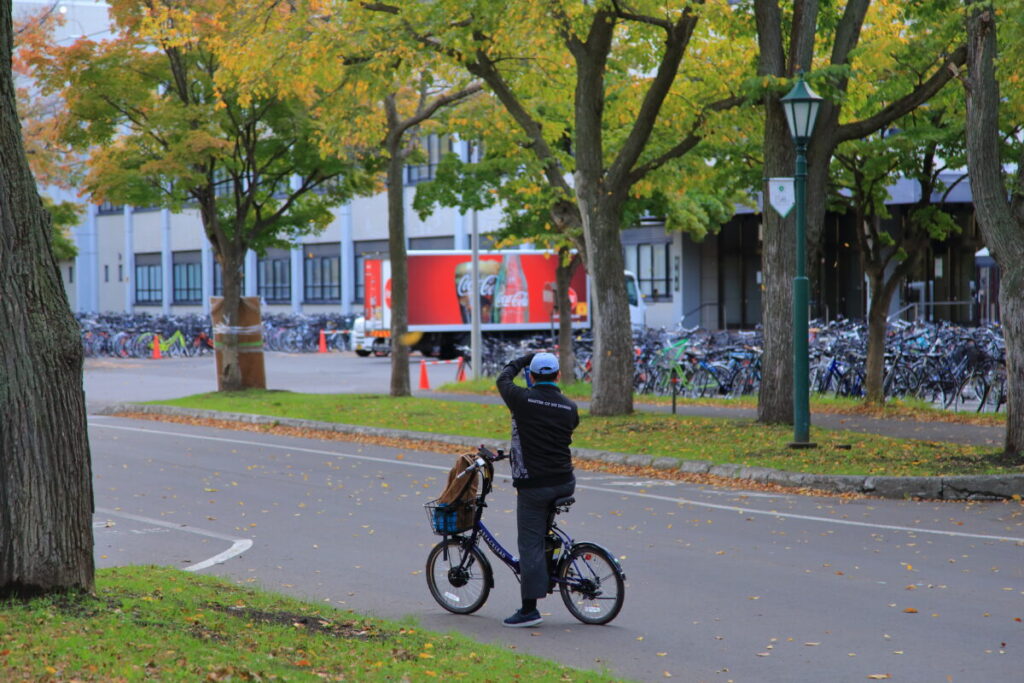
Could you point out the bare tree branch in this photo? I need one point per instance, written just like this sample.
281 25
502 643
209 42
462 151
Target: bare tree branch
922 93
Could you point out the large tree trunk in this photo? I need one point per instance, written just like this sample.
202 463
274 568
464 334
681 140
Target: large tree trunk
600 200
46 502
778 255
228 347
563 278
399 272
874 366
612 392
1001 222
884 286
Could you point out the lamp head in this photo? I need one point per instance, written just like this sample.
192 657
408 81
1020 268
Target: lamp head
801 105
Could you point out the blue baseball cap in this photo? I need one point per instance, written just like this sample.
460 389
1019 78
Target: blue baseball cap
544 364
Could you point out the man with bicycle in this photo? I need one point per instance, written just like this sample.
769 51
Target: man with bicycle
543 420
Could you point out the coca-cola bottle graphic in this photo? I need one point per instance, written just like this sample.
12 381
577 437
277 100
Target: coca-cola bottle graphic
487 274
511 296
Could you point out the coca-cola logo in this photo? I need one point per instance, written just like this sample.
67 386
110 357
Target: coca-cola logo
520 299
487 284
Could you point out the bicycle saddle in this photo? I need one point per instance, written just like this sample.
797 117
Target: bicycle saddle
563 504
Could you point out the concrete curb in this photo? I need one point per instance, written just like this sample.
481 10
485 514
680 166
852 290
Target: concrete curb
962 487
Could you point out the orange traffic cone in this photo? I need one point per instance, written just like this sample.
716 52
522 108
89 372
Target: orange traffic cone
460 374
323 342
424 378
156 347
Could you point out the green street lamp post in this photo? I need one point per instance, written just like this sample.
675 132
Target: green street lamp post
801 105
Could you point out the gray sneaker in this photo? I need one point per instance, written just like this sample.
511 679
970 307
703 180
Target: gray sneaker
521 619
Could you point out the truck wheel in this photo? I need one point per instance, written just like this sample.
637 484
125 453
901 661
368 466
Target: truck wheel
362 353
448 351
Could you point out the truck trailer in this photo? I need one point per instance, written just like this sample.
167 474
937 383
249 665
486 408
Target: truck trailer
516 298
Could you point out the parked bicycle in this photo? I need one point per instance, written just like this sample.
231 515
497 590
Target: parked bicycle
459 575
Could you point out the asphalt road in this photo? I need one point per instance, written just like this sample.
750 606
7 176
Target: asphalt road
721 585
114 380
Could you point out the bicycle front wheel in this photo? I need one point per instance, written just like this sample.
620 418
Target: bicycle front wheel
591 583
459 578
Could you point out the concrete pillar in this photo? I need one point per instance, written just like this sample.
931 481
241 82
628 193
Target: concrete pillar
166 261
206 265
462 219
128 260
87 271
296 278
348 260
250 274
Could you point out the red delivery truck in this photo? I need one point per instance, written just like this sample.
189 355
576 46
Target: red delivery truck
516 296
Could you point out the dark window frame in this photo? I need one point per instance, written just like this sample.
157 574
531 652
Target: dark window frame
642 259
149 280
277 288
187 277
321 273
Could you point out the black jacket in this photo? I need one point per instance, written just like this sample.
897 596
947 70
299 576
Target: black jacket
542 424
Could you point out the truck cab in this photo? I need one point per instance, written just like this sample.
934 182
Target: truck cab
637 305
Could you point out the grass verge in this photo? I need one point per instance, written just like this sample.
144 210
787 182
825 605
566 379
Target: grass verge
898 409
741 441
150 623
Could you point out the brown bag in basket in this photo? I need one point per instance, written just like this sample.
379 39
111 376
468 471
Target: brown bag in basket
461 491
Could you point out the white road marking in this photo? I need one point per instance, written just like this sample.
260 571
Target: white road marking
238 545
619 492
809 518
652 483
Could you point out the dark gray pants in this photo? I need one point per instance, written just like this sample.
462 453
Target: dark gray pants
532 507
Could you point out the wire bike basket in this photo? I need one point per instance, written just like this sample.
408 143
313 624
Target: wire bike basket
450 518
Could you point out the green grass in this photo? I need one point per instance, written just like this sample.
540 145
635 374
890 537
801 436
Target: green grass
149 623
904 408
741 441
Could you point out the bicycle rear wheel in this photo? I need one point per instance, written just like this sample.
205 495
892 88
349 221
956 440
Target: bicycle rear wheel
592 584
460 579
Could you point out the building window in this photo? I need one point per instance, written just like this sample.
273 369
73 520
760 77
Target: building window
432 148
106 273
120 272
321 273
362 250
274 276
71 275
109 207
424 243
188 277
651 265
148 279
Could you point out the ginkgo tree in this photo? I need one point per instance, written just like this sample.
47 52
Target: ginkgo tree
601 95
873 61
545 215
920 147
162 130
533 212
369 94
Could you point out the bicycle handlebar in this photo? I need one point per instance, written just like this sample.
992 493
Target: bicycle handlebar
484 456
